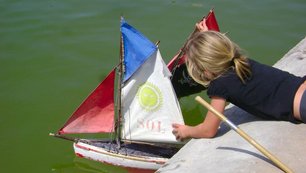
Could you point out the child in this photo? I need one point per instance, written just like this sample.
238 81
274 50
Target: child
214 61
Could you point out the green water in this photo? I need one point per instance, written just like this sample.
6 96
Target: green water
54 52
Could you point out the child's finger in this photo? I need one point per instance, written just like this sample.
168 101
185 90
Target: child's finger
174 125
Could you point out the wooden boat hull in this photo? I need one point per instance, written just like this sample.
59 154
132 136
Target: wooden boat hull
122 157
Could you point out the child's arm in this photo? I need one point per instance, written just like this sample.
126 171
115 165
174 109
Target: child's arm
207 129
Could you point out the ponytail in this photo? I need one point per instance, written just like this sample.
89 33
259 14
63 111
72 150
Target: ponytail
241 65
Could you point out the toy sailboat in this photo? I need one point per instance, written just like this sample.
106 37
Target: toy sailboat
141 120
137 111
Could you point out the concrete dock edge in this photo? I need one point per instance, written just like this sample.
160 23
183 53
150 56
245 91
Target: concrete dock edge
228 152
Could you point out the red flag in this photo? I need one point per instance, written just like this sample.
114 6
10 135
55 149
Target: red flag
96 113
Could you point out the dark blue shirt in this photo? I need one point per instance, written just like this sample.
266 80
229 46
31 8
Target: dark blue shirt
268 93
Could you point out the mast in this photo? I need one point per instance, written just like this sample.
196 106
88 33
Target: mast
120 74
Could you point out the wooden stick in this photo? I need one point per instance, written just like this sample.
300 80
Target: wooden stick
64 137
244 135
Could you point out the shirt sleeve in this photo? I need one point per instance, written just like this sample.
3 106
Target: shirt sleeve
217 89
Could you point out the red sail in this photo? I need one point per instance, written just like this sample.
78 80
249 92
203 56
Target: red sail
211 23
174 62
96 113
183 84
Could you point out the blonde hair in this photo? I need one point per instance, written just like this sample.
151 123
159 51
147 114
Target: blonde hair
214 53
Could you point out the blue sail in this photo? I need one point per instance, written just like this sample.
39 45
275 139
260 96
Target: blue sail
136 49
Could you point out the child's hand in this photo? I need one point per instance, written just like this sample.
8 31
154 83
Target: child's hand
201 26
180 131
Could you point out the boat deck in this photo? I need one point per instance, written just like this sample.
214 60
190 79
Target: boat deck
135 149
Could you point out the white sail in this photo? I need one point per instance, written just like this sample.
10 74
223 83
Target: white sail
149 104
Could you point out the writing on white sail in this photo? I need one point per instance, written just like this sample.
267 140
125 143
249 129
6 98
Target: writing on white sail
151 125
